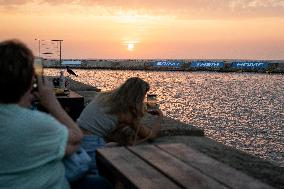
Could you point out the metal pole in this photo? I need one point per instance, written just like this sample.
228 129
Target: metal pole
60 52
39 48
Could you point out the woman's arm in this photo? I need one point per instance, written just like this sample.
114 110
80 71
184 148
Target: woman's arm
144 132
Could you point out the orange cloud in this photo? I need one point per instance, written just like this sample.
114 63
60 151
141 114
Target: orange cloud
187 9
159 29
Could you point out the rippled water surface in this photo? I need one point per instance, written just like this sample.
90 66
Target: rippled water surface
243 110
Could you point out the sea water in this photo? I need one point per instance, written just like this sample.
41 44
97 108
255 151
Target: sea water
242 110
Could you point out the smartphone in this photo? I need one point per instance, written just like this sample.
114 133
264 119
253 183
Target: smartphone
38 70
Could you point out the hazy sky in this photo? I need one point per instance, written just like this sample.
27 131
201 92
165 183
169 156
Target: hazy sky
251 29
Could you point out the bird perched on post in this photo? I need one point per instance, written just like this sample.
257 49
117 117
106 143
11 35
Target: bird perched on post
71 72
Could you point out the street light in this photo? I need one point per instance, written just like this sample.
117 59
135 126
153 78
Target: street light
49 53
38 46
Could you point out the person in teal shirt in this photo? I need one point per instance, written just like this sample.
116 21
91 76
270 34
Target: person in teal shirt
32 143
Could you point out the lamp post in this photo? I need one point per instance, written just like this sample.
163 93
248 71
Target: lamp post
60 41
38 46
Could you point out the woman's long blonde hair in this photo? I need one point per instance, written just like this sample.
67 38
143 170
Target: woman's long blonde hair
129 97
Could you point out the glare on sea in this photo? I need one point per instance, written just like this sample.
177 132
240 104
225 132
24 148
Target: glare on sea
243 110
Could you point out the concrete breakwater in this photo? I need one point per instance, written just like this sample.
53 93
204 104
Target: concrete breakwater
271 66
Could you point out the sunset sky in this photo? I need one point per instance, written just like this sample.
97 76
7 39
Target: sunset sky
244 29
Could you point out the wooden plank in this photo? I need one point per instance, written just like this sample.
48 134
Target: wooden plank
181 173
213 168
132 170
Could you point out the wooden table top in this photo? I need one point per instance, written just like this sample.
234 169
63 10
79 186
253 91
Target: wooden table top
169 166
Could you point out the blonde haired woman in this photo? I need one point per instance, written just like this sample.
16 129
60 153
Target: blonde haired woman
113 111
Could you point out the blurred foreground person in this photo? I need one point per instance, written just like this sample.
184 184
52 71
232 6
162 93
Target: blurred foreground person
32 143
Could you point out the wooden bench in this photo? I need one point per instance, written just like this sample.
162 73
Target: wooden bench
169 166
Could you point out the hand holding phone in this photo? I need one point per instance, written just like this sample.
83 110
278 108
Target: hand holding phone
38 70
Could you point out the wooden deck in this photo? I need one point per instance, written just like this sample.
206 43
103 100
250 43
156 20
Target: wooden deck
169 166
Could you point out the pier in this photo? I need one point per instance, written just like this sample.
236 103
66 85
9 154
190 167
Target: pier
262 66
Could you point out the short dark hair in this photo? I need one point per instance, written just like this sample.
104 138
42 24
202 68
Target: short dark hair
16 70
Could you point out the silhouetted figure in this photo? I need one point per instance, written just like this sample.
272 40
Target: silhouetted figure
71 72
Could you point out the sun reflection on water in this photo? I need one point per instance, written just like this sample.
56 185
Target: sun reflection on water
242 110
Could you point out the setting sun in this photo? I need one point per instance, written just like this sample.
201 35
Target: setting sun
143 29
130 46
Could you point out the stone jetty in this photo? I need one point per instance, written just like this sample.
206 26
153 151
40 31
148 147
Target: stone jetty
265 66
